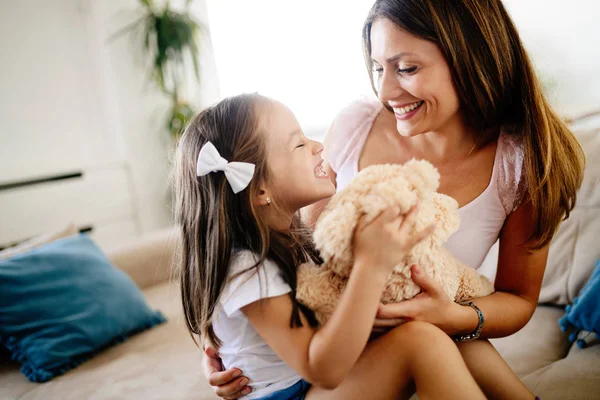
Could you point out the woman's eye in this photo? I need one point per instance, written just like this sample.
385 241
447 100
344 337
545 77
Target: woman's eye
300 145
407 70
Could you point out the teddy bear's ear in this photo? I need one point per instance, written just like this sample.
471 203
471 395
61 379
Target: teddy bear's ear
424 177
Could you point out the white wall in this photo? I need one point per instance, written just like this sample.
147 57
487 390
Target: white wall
308 54
563 38
70 100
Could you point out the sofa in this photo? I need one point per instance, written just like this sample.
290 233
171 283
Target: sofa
161 363
164 363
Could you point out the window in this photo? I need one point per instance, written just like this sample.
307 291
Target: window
306 54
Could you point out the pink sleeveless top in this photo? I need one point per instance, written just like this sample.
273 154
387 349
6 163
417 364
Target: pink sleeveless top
481 219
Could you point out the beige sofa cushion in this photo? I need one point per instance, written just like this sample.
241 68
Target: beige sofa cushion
575 248
68 230
575 377
148 259
548 364
162 363
537 345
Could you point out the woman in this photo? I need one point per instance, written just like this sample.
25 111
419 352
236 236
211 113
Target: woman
456 87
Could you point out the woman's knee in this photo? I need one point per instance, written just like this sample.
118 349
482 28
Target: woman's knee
474 345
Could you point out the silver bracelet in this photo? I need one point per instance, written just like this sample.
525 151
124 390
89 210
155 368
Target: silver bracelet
475 334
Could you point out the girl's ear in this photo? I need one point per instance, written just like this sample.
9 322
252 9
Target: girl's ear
263 198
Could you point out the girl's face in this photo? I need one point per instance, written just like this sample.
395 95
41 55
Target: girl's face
295 162
413 77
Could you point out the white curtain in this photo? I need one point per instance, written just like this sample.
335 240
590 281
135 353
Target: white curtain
306 54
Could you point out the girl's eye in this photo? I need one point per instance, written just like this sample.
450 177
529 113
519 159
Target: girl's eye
407 70
300 145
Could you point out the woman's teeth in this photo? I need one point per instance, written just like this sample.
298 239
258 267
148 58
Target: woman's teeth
407 109
320 172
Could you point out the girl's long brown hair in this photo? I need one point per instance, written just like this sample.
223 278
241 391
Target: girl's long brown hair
497 86
215 223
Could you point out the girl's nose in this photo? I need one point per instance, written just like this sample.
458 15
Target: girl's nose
317 147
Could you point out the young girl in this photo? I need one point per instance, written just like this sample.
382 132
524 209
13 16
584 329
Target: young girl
243 171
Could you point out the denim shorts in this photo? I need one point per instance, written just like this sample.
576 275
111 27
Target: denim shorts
295 392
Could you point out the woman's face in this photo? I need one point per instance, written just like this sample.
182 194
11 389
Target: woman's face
412 76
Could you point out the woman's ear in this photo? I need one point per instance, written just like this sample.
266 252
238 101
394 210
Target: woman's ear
263 198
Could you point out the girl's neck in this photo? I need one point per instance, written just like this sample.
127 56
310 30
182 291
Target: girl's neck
279 221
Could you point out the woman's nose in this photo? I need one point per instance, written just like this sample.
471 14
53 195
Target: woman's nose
388 87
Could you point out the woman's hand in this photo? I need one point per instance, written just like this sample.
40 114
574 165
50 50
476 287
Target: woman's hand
431 305
228 384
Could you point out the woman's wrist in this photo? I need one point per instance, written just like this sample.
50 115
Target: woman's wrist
464 320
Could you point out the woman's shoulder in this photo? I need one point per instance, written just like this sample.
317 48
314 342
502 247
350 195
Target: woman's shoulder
511 174
349 127
357 110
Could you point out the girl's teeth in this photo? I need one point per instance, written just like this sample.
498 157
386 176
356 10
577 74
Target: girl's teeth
320 172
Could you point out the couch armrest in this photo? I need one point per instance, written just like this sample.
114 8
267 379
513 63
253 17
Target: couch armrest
148 260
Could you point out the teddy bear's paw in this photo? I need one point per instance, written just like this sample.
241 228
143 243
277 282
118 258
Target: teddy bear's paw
472 284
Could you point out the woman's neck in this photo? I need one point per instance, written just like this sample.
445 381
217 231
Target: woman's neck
451 142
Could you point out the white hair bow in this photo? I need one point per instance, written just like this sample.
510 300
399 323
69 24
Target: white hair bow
238 174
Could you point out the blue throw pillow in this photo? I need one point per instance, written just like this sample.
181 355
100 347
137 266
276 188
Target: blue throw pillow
584 313
64 302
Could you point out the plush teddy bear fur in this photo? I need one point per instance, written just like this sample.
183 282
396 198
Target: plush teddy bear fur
374 189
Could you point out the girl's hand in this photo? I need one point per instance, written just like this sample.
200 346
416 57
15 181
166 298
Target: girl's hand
431 305
385 241
228 384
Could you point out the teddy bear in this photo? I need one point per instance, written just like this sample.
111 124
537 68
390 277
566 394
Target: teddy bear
373 190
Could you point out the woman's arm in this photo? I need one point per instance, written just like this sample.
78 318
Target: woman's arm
518 283
518 279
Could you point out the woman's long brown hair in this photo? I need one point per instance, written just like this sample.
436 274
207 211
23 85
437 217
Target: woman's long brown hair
215 223
497 86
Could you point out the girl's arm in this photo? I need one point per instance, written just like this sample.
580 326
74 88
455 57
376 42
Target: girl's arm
322 357
325 356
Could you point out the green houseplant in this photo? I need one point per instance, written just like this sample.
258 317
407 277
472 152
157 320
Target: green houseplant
170 40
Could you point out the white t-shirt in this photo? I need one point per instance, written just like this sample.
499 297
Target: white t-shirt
242 347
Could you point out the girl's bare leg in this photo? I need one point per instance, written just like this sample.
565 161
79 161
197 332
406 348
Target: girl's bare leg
413 352
492 373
